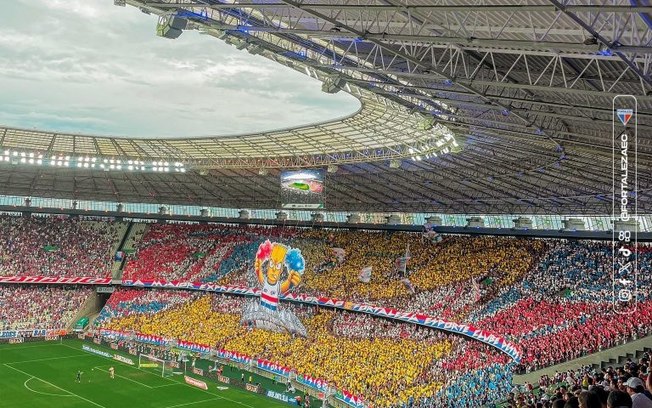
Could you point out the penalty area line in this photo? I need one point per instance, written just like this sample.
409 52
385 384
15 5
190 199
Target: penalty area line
55 386
125 378
49 359
43 392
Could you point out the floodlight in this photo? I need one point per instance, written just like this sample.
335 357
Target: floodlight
333 84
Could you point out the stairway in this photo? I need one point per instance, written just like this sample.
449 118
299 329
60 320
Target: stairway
133 235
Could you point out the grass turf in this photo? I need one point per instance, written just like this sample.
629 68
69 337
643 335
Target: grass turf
43 375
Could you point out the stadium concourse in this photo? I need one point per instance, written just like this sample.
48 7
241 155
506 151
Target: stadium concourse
551 297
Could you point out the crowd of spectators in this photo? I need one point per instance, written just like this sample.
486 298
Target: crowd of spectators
550 297
125 302
56 246
562 309
588 387
39 307
398 362
191 252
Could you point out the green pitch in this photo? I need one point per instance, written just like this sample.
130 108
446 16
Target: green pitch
43 375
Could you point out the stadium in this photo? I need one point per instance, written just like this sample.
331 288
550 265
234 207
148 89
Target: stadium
472 229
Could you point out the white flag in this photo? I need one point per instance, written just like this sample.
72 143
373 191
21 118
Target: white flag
365 274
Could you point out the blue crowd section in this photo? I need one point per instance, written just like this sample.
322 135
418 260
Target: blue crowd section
240 257
575 270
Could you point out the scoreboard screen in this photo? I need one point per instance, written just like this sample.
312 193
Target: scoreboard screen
302 189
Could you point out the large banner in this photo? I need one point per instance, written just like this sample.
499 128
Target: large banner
278 269
349 399
116 335
151 339
273 367
408 317
314 383
10 334
194 347
234 356
83 280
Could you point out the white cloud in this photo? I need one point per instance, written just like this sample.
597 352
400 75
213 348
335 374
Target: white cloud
88 66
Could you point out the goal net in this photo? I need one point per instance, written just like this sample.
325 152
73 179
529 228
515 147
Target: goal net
164 367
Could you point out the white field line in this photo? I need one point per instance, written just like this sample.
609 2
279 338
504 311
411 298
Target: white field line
55 386
126 378
13 347
48 359
42 392
139 369
191 403
175 382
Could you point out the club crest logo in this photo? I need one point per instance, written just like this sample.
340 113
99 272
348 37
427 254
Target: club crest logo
624 115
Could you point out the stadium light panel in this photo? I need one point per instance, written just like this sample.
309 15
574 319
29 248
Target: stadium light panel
18 157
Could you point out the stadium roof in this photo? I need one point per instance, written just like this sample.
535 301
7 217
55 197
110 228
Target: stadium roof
526 87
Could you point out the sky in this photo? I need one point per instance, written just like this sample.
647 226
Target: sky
87 66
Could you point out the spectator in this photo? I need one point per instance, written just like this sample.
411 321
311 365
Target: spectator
39 307
57 246
635 389
619 399
589 399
